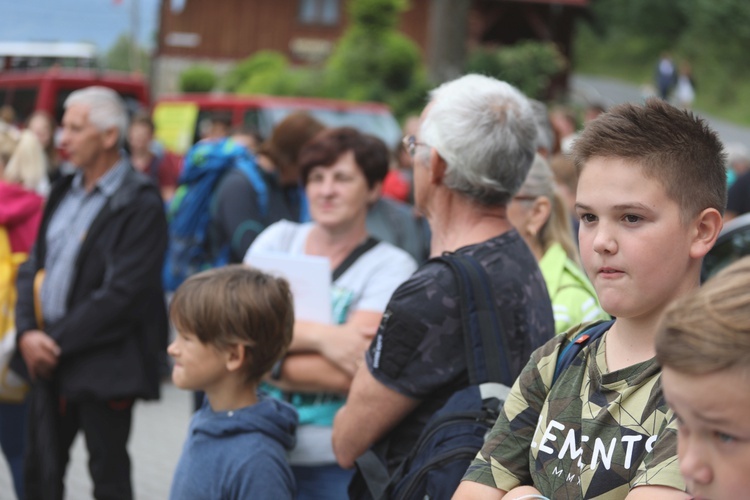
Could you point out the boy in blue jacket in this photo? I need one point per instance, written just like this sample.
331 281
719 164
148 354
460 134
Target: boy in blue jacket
232 324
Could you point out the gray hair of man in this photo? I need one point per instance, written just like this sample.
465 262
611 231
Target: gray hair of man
106 109
484 129
545 136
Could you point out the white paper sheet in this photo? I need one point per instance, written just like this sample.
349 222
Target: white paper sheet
309 277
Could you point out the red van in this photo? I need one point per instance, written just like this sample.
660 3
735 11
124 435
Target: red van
178 118
31 90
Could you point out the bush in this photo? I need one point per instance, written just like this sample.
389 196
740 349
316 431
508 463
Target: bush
374 62
371 62
198 79
529 65
264 61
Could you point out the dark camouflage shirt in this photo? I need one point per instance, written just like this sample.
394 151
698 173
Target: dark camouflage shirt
595 434
419 348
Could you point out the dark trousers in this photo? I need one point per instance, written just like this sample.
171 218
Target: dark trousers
106 427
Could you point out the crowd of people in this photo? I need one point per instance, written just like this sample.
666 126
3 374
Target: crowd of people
624 378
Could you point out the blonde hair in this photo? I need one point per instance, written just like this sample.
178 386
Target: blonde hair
541 182
708 330
28 164
8 143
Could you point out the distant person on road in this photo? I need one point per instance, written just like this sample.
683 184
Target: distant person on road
232 324
685 89
666 75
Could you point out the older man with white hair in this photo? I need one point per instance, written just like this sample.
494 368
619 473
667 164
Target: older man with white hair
475 144
90 338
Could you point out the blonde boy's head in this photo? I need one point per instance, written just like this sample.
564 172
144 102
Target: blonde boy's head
237 305
670 145
708 330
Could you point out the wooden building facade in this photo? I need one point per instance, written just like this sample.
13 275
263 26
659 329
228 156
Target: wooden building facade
224 31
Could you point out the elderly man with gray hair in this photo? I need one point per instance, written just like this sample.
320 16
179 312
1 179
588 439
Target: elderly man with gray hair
475 144
90 337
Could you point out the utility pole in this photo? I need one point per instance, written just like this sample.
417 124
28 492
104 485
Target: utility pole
135 63
448 20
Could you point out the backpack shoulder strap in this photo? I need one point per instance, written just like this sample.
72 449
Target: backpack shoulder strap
571 350
350 259
484 339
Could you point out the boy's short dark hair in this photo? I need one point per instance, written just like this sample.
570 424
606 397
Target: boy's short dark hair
671 145
237 304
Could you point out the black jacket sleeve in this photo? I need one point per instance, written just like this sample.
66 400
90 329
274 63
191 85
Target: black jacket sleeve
238 214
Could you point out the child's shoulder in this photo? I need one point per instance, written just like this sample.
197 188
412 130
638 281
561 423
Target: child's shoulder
563 348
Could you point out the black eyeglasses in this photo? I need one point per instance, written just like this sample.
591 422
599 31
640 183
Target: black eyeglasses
410 144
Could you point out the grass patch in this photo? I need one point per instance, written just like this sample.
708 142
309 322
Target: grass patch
633 59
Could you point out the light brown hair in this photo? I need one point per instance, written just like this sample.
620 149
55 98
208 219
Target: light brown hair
143 119
670 145
237 304
541 182
708 330
287 138
565 171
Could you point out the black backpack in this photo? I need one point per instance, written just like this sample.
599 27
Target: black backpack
455 433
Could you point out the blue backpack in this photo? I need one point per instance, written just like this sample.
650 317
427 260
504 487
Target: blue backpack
188 213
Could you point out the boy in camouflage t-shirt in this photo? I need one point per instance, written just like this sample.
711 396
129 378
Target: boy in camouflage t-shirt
650 196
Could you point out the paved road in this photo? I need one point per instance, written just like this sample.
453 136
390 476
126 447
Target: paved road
599 89
155 443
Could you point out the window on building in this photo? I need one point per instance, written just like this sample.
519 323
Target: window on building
326 12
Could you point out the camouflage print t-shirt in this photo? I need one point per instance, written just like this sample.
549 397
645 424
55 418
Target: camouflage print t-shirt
595 434
419 349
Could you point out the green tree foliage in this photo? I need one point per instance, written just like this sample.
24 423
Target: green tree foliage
529 65
269 72
198 79
262 62
373 61
121 56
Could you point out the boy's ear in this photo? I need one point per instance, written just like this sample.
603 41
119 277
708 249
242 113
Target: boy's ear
235 357
707 227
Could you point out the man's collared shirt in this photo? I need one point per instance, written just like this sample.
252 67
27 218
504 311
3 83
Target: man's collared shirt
65 235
